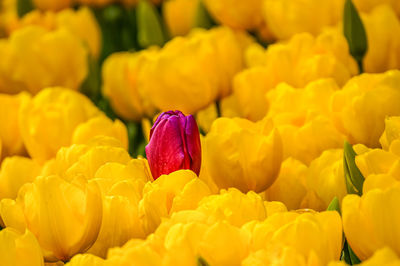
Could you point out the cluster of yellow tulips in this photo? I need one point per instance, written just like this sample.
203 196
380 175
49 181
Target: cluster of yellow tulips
199 132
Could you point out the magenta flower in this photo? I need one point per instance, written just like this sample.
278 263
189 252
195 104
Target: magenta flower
174 144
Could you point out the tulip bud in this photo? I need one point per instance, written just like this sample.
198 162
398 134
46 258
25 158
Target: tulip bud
174 144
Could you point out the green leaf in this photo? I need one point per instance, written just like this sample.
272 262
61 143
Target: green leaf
24 6
202 18
354 178
353 257
91 86
334 205
110 20
348 255
354 31
149 26
201 261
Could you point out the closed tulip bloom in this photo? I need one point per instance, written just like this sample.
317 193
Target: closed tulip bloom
31 60
243 154
310 234
52 4
86 259
180 15
360 108
215 56
10 135
290 186
48 121
180 190
65 217
242 15
17 249
383 40
371 222
174 144
15 172
285 18
392 131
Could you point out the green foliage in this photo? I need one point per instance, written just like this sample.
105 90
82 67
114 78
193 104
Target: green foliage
353 177
354 32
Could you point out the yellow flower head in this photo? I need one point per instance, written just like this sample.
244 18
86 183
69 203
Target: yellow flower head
64 216
370 222
285 18
169 78
360 108
48 121
237 14
243 154
31 60
19 249
9 129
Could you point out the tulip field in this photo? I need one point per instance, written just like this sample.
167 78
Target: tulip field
199 132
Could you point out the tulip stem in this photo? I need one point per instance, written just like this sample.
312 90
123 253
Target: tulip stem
218 106
360 66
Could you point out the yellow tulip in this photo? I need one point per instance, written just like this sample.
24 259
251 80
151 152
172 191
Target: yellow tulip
31 60
290 186
281 256
122 84
180 190
298 62
234 207
243 15
383 256
243 154
370 222
100 126
9 129
122 187
249 88
65 217
391 132
180 15
216 55
8 17
302 235
325 180
285 18
52 4
368 5
14 173
90 161
224 244
377 161
302 117
19 249
86 260
48 121
363 104
80 23
383 40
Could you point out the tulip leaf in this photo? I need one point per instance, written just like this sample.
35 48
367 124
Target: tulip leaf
201 261
353 257
354 31
91 86
149 27
334 205
354 178
109 19
24 6
348 255
202 18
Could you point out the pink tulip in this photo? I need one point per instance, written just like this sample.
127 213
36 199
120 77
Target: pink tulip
174 144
